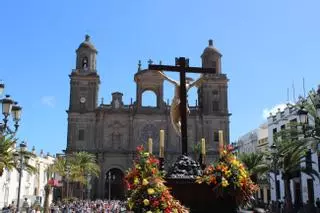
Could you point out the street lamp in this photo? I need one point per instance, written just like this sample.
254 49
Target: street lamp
9 107
67 176
89 186
274 163
22 161
110 178
303 115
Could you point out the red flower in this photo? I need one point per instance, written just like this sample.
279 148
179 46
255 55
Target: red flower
154 160
167 210
140 148
230 148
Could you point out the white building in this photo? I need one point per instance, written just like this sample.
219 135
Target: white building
248 142
257 141
303 187
32 185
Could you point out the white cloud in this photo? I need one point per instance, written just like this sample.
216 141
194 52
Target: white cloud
49 101
266 112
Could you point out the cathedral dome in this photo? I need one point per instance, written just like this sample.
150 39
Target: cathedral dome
87 44
210 49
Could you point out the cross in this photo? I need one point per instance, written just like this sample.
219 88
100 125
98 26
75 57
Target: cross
182 66
150 62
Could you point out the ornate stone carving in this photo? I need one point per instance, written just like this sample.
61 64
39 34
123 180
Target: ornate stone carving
149 130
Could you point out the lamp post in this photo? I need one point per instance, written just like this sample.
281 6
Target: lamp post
110 178
9 107
303 118
22 161
303 115
274 160
67 176
89 186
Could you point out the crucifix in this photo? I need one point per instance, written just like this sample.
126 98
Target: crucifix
182 66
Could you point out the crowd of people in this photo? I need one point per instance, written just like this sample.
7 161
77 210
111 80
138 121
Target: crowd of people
105 206
81 206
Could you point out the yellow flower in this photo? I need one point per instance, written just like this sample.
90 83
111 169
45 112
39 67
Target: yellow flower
138 166
149 211
136 181
224 182
150 191
145 182
228 173
146 202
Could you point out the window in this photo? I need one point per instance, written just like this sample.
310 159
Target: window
85 63
310 190
215 106
319 162
274 131
278 190
149 99
214 64
293 129
216 136
81 135
308 160
214 92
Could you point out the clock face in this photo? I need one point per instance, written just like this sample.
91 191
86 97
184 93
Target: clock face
82 100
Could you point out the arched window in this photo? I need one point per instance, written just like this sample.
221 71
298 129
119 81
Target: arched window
85 63
149 99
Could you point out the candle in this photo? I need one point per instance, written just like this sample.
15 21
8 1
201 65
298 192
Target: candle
221 143
150 145
161 151
203 146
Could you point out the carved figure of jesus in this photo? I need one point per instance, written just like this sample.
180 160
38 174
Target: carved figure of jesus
175 115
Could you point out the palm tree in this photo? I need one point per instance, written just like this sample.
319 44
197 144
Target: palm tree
255 164
76 167
48 188
293 155
7 150
311 104
60 167
9 155
83 164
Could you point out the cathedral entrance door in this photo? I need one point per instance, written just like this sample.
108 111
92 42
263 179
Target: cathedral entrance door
114 188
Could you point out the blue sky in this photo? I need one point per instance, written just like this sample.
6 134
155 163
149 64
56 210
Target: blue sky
267 47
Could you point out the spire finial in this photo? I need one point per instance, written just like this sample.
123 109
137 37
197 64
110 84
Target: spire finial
139 65
87 37
210 42
150 61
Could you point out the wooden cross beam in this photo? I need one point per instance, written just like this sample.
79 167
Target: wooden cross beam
182 66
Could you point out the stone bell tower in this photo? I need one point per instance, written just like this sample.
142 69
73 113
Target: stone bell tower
213 96
84 88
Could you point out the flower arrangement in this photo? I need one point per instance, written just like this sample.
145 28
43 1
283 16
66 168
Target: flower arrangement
228 176
146 189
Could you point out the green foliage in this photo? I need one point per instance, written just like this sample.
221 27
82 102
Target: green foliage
290 157
76 167
7 160
312 129
9 154
83 164
255 164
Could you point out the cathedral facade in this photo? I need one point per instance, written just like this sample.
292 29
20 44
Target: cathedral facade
113 131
